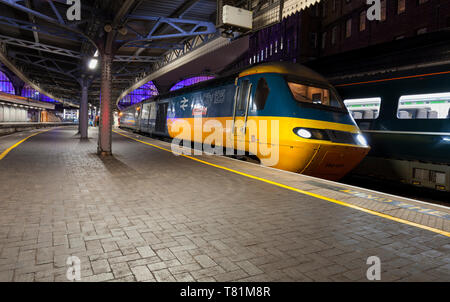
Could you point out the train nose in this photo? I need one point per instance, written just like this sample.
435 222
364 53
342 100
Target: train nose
333 162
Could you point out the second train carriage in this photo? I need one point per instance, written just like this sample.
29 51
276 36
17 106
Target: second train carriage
316 135
406 119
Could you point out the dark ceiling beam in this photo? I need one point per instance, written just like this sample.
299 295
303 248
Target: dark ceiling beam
57 14
24 25
42 58
138 59
118 19
42 64
15 4
174 23
39 46
6 61
178 13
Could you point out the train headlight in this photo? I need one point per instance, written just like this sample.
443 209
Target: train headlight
361 140
304 133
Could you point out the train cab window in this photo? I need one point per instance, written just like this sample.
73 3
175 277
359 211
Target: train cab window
424 106
314 95
364 109
262 92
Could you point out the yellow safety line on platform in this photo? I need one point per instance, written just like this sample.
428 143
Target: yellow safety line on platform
3 155
342 203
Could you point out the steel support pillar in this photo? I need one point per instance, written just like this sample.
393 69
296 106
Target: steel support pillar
105 127
84 118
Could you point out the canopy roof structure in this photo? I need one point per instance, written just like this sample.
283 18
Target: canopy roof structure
51 53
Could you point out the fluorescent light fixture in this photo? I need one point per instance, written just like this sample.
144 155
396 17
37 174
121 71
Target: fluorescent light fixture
94 61
446 139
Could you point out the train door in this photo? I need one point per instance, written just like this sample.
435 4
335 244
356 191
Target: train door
161 118
137 118
241 104
145 117
152 117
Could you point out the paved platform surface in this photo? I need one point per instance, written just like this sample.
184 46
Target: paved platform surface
147 215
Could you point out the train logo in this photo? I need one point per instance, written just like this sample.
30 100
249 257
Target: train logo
184 104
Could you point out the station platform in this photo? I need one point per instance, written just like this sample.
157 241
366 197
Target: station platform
8 128
145 214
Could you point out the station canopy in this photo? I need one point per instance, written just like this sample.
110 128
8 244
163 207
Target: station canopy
45 44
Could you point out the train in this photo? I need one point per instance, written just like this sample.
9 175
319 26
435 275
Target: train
405 117
279 106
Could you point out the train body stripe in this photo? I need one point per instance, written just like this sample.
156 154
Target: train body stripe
394 79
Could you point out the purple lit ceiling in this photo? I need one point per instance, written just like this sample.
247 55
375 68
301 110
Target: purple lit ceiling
5 84
144 92
33 94
190 81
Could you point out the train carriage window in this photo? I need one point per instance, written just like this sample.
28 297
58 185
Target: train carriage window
262 92
424 106
364 108
304 93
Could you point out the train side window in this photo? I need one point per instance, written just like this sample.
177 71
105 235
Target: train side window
242 97
262 92
424 106
364 108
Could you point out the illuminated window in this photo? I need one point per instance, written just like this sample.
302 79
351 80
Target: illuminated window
383 10
424 106
401 6
362 21
348 28
144 92
364 109
190 81
31 93
314 95
5 84
333 35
